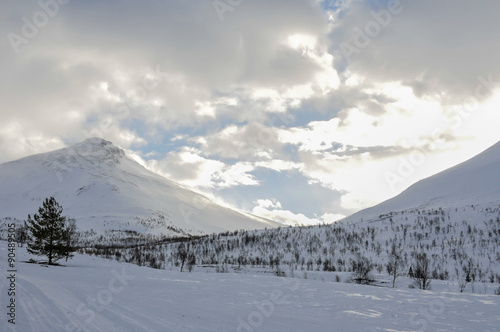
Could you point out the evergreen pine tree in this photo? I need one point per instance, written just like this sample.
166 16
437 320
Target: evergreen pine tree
48 233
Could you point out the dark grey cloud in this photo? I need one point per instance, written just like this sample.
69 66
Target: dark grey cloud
439 48
251 142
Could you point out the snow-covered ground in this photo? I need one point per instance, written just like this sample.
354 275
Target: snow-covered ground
93 294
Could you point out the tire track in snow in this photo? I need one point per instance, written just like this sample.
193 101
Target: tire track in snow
38 309
55 309
127 313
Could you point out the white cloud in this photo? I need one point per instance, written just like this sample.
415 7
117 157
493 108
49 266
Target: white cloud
268 203
204 109
14 143
331 217
188 167
279 165
236 175
271 209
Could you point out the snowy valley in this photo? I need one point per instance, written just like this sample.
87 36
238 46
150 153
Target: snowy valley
94 294
143 266
460 237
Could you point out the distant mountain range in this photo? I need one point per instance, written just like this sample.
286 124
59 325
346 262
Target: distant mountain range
106 191
103 189
475 182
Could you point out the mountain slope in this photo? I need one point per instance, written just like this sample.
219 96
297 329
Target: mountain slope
103 189
473 182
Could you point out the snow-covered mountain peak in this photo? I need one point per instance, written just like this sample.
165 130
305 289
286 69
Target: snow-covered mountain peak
94 150
104 190
96 145
88 155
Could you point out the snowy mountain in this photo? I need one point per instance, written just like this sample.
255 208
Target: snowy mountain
475 182
103 189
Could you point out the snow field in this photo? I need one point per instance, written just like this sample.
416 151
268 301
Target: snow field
94 294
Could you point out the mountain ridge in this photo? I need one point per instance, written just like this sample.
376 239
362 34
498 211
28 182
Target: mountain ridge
474 181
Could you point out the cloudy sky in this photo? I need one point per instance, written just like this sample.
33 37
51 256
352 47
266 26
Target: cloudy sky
302 111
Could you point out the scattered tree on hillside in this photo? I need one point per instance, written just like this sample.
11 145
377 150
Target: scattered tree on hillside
21 234
421 271
71 236
182 254
48 232
395 264
464 275
191 261
332 247
361 268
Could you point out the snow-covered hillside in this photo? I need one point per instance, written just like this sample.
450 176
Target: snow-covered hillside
103 189
475 182
452 217
95 295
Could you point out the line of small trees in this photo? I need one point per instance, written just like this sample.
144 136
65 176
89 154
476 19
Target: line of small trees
419 271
